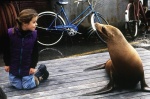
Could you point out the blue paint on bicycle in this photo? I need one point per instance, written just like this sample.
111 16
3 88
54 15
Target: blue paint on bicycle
66 27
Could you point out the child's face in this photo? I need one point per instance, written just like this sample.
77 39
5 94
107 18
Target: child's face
31 25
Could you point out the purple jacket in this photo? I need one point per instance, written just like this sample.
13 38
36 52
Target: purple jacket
21 48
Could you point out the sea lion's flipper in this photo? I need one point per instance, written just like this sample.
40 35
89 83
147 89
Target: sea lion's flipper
144 86
109 87
146 89
97 67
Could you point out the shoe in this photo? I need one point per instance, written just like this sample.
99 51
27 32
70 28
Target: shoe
42 73
46 75
42 68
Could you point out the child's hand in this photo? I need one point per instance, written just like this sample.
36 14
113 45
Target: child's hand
32 71
6 68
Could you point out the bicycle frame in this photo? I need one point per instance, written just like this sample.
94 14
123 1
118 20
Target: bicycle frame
70 24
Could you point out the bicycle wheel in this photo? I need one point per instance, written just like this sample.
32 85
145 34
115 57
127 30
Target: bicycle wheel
96 17
49 37
131 22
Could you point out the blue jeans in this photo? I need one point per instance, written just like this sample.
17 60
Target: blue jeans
26 82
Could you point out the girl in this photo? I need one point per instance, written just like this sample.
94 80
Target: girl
21 52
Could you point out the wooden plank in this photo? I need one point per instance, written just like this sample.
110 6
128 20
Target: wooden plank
68 80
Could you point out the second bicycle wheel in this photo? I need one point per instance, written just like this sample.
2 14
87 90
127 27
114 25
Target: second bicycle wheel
131 22
46 36
96 17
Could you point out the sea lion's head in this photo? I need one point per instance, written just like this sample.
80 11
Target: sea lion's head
108 32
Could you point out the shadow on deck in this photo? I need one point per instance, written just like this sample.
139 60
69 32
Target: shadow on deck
68 80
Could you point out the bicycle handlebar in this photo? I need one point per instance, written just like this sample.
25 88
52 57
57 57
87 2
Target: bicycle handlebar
78 1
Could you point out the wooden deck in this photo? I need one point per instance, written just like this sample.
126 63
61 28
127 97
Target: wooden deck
69 80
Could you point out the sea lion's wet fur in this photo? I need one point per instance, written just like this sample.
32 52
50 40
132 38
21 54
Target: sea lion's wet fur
124 67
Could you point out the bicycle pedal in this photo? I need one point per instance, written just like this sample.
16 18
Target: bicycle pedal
71 33
79 33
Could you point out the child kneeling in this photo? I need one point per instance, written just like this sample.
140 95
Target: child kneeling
20 52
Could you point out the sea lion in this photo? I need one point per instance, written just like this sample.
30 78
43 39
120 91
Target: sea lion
124 67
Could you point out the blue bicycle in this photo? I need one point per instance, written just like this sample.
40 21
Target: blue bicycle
52 26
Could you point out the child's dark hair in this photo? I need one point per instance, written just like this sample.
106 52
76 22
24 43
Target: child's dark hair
25 16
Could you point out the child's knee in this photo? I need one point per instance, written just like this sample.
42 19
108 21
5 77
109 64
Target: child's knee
29 85
28 82
18 87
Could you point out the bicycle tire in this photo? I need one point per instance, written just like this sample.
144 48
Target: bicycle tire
132 24
47 37
96 17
